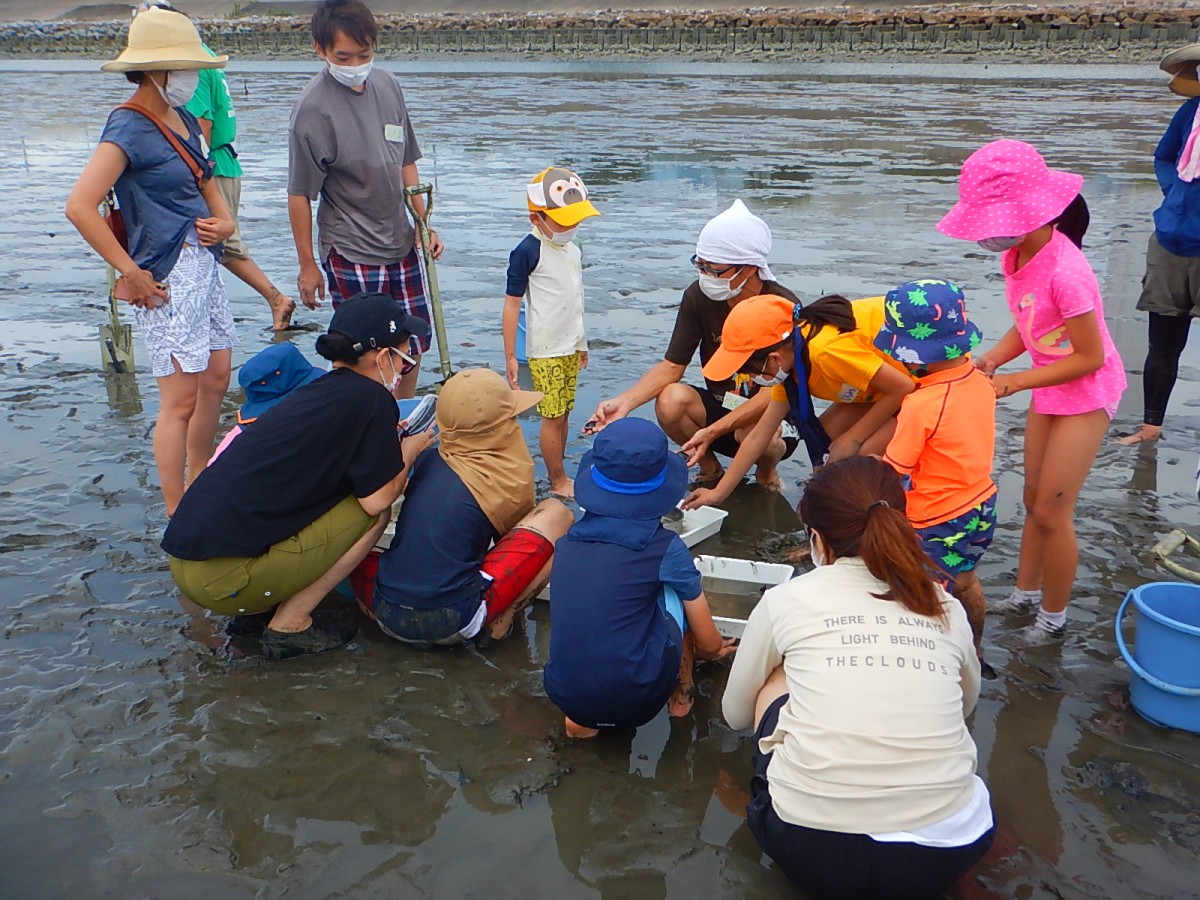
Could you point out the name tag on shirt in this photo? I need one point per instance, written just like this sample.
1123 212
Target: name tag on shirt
732 401
394 133
848 393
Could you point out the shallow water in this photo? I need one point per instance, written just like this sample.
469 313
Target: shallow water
141 756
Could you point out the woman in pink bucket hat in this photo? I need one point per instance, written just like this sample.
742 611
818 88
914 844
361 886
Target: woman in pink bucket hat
1010 202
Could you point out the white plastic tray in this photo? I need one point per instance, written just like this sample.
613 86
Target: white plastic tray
749 572
700 524
739 576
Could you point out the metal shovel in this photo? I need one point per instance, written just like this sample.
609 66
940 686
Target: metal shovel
425 189
116 339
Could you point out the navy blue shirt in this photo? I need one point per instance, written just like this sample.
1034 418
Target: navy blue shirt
441 538
523 259
1177 221
157 192
614 650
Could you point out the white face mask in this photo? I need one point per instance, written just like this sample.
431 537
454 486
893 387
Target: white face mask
779 377
720 289
562 238
350 76
1000 244
816 550
181 85
394 383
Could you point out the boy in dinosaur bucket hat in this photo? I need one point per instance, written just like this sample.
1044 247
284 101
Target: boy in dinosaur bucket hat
628 614
945 433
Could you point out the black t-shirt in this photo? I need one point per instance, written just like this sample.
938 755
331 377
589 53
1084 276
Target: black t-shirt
442 535
699 324
322 443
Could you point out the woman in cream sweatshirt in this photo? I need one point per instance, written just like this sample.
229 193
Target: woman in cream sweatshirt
857 678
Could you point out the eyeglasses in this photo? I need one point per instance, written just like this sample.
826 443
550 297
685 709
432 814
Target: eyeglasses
407 363
705 268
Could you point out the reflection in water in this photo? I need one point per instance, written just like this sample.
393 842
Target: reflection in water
144 755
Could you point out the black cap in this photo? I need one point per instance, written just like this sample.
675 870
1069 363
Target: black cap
374 320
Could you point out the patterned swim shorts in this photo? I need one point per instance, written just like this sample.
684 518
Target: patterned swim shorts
556 377
195 322
403 281
957 545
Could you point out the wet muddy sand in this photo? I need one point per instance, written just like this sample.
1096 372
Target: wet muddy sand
143 755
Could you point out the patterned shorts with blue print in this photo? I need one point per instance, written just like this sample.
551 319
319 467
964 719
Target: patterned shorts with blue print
956 545
195 322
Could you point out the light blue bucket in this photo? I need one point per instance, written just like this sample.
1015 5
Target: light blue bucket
1165 687
521 358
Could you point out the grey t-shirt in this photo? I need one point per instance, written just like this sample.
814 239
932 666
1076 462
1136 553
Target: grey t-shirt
347 148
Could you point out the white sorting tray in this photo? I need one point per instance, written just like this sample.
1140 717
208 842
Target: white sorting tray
702 523
739 576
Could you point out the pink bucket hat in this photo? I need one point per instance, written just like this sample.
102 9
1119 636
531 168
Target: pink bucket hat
1007 190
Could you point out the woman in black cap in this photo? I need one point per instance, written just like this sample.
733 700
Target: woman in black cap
295 503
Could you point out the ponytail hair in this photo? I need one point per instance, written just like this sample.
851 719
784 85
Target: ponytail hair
832 309
858 506
337 347
1074 220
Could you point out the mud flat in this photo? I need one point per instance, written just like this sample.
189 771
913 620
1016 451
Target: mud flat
1027 33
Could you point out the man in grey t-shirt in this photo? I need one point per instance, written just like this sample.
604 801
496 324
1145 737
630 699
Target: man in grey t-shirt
351 144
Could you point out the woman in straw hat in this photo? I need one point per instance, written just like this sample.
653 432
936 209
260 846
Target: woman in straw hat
152 156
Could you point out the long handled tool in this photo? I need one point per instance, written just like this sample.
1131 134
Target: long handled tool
425 190
116 339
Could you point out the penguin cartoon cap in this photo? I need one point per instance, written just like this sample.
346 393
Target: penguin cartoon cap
561 195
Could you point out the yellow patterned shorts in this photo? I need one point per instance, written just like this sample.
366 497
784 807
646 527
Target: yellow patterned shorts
557 378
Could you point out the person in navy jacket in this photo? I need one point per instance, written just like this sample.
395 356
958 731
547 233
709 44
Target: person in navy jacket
627 614
1171 287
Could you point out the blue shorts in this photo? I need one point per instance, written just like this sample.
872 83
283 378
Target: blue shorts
956 545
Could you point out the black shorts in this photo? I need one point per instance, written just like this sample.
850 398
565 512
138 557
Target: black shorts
727 444
833 864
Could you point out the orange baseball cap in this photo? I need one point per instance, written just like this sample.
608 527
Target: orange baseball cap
754 324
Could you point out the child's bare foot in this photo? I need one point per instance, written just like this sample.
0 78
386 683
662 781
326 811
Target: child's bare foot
575 730
1146 434
563 490
282 307
681 700
768 479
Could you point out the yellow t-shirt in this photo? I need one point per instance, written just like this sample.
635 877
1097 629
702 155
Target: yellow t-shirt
841 365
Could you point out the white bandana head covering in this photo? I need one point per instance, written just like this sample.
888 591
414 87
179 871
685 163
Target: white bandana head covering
736 237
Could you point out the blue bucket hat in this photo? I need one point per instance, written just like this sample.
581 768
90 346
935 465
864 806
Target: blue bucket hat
270 375
926 322
630 472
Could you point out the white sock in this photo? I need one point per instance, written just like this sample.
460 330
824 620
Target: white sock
1029 598
1051 621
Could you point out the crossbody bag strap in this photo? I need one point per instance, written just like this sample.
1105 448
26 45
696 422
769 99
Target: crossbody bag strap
175 142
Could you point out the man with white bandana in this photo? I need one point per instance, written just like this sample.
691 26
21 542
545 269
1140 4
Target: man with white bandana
731 260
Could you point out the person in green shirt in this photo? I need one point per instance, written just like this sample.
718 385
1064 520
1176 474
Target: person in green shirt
213 107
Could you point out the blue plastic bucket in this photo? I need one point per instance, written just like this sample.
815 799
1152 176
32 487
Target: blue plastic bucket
521 358
1165 687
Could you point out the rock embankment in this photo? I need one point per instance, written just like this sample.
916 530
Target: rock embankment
1114 31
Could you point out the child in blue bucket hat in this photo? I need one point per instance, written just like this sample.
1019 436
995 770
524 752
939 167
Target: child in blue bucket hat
628 615
267 377
945 433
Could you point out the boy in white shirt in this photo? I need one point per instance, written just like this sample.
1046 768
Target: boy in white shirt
546 271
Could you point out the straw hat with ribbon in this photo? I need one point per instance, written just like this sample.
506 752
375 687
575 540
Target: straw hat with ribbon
162 40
